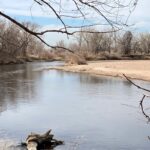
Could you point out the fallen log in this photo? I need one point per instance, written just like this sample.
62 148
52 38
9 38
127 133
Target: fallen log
36 141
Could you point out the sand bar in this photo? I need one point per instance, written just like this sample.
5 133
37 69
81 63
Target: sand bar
136 69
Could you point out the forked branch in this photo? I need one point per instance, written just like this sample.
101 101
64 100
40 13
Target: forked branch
142 108
143 98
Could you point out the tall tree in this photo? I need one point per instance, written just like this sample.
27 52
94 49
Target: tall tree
126 42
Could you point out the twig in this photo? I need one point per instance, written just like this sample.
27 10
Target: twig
139 87
142 100
142 108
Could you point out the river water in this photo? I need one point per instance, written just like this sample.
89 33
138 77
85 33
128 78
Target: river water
87 112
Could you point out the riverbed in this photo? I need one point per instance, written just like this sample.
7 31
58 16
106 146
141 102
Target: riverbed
87 112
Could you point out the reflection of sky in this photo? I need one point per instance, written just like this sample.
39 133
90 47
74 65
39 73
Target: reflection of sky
97 112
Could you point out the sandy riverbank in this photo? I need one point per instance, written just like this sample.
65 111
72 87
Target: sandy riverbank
136 69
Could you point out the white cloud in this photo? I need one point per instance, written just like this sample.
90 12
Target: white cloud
142 10
24 8
140 17
142 26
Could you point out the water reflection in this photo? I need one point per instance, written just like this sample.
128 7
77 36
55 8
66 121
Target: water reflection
15 86
18 83
87 112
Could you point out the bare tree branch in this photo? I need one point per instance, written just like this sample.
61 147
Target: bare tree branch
142 108
97 10
36 34
139 87
80 9
58 16
142 100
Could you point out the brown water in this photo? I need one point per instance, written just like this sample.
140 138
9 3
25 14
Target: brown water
87 112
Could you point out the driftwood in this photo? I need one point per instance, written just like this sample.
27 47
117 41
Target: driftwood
36 141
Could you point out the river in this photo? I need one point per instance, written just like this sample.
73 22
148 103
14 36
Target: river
87 112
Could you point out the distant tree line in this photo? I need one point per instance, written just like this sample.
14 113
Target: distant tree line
17 44
121 44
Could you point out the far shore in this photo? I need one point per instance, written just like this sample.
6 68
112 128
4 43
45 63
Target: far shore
135 69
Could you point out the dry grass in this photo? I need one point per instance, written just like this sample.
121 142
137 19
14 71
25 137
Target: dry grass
73 59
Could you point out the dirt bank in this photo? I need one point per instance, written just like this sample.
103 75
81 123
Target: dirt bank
136 69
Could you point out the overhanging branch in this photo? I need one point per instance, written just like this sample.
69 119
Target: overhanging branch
78 9
143 98
142 108
139 87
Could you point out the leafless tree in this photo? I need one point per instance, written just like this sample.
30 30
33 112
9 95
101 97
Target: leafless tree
126 42
144 41
136 48
15 43
88 12
9 39
94 42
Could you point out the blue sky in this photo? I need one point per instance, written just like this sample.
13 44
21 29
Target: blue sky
43 21
26 10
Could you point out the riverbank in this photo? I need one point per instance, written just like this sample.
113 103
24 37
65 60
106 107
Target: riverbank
13 61
135 69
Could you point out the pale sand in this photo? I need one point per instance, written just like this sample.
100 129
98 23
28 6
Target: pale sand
136 69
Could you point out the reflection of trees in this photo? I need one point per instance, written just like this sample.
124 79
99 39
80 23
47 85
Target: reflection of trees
84 78
92 79
16 85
